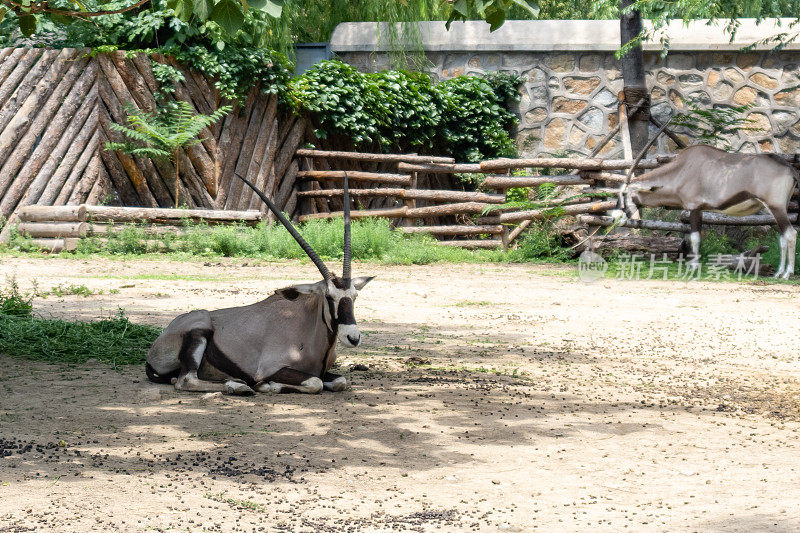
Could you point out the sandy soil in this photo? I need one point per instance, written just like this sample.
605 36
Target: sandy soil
548 404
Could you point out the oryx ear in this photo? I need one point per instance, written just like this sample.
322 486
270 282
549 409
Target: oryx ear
358 283
291 293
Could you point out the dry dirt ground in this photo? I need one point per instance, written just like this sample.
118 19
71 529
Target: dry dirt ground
547 404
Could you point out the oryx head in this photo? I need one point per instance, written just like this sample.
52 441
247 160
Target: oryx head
340 292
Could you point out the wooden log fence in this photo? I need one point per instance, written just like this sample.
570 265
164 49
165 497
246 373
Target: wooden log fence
718 219
411 194
450 204
56 107
407 171
588 192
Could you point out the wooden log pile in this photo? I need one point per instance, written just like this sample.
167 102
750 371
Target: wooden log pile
60 228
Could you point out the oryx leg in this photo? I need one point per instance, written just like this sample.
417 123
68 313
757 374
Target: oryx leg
289 380
787 239
334 382
695 224
190 357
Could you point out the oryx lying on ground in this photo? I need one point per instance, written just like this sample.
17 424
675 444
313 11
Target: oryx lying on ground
286 342
702 178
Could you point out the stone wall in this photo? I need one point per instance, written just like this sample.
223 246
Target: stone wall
569 98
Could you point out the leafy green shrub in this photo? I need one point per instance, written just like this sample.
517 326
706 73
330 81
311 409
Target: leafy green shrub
129 240
540 243
236 61
161 134
714 243
467 117
423 250
229 241
18 241
236 69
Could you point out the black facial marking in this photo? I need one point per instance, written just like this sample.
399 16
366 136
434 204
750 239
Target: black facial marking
332 311
339 283
345 314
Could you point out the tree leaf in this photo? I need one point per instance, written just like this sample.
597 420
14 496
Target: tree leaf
228 14
495 17
461 7
525 4
273 8
27 25
183 8
202 8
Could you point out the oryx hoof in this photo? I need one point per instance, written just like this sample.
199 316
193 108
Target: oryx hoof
237 388
337 385
270 387
311 386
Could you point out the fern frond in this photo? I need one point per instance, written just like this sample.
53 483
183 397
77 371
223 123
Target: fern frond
150 152
160 134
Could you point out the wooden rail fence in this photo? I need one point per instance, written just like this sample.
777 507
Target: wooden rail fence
586 193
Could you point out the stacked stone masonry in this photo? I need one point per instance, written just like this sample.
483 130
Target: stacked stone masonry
569 99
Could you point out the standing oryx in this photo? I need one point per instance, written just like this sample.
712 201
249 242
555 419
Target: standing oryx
286 342
702 178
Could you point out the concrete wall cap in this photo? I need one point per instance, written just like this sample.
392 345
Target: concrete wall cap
558 35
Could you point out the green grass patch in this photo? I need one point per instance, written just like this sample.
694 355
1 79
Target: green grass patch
372 240
247 505
70 289
114 340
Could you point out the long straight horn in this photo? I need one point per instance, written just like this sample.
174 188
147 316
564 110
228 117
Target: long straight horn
288 225
346 260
